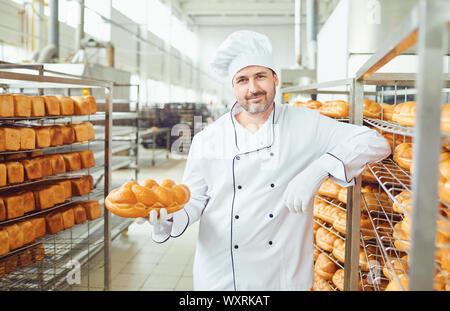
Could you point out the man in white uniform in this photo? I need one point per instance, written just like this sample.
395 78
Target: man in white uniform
253 175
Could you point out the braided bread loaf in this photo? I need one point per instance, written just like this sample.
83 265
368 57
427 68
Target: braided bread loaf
134 200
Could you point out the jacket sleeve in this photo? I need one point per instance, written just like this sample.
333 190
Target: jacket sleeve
191 212
347 148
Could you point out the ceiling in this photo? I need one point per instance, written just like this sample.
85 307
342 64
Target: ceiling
245 12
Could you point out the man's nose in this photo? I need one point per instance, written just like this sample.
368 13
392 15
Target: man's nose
253 86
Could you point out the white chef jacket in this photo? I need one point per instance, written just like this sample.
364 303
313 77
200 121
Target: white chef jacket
237 180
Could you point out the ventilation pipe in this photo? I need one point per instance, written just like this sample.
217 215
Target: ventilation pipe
311 32
298 32
53 26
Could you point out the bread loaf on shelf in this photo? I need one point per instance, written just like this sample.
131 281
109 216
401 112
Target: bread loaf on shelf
66 105
93 209
32 169
28 201
4 242
15 172
81 105
87 158
6 106
3 178
405 113
395 285
84 131
54 222
82 186
371 109
2 210
12 138
325 239
325 267
15 235
46 166
28 231
42 136
67 187
329 189
388 111
27 138
37 106
56 136
79 214
58 163
22 105
52 106
400 266
44 197
320 285
335 109
68 134
68 218
58 193
39 227
72 161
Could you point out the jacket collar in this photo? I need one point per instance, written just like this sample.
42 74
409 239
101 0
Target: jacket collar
272 119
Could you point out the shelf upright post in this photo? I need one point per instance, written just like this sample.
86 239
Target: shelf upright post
352 240
433 18
108 162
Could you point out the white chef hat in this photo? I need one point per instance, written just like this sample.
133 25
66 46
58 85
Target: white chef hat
241 49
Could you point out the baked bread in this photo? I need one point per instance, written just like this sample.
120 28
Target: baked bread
445 118
403 154
67 187
11 138
37 106
339 250
28 231
2 210
404 198
68 134
329 189
72 161
15 172
325 239
54 222
340 224
28 201
335 109
15 235
79 213
44 197
81 105
316 254
325 211
401 239
58 163
22 105
46 166
82 186
56 136
52 106
371 109
68 218
311 104
42 134
405 113
367 175
338 279
396 139
2 174
134 200
39 227
84 131
444 180
387 112
400 266
6 106
87 158
66 105
394 285
325 267
4 242
320 285
93 209
32 169
58 193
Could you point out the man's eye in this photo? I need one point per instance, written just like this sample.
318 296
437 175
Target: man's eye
261 77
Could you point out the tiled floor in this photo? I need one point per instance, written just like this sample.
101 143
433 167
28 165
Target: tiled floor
138 263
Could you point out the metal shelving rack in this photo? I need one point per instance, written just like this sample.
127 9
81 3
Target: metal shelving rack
82 241
427 25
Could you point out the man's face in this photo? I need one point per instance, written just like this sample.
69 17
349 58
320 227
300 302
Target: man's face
254 87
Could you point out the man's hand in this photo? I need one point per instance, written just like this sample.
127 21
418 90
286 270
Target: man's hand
153 218
300 192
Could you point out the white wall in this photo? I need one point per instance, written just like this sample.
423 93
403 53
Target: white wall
282 38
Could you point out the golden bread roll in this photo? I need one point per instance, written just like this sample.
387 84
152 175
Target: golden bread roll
329 189
394 285
440 280
444 180
371 109
401 239
325 211
388 111
335 109
339 250
445 118
444 260
403 154
325 267
311 104
367 175
134 200
405 200
320 285
400 267
325 239
405 113
394 139
316 253
338 279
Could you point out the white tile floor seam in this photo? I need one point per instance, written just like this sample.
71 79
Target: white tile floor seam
138 263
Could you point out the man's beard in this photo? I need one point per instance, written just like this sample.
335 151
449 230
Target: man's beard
256 108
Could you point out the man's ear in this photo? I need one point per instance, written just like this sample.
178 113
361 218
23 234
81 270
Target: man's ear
275 78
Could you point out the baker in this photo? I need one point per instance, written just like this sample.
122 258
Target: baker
253 175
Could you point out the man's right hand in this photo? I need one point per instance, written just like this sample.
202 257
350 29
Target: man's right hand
153 218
